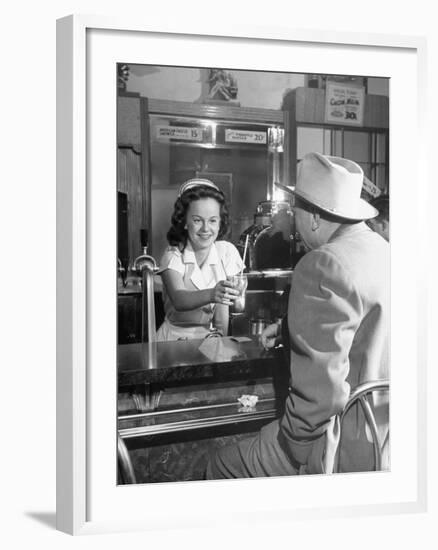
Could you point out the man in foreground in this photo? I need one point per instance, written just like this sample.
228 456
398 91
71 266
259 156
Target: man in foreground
338 321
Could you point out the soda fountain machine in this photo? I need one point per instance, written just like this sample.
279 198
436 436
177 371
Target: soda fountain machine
272 240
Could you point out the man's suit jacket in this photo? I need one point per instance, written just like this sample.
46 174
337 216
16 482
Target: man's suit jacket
339 337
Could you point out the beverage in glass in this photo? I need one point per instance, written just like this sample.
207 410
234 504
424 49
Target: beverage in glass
239 282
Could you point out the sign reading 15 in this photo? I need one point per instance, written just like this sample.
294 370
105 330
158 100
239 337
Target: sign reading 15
179 132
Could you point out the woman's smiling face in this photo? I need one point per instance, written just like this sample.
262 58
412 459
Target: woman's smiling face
203 222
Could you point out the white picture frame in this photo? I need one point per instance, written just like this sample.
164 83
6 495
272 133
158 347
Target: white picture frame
87 47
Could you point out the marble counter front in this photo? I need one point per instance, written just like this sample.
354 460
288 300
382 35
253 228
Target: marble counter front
179 401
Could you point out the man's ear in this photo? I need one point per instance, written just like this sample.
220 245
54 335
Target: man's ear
315 221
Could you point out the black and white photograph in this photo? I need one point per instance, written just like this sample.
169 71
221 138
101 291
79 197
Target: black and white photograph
253 274
219 292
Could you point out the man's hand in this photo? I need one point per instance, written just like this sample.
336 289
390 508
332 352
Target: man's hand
268 337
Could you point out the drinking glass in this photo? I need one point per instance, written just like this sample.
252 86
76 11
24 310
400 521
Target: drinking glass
240 283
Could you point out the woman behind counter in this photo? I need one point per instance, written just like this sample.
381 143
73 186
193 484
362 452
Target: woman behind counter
195 266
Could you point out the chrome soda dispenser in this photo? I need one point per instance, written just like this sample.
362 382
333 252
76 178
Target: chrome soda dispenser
273 242
269 237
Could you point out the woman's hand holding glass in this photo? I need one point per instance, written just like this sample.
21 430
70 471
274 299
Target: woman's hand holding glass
224 293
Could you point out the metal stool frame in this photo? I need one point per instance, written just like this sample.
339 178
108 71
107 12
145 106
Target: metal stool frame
360 395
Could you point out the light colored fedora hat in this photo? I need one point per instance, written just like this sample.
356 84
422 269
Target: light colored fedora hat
333 184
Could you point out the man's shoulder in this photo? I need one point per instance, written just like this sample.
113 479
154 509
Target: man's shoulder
360 242
320 258
358 255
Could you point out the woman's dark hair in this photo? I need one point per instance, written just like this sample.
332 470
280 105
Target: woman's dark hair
177 234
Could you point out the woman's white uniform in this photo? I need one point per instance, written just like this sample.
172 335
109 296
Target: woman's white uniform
222 260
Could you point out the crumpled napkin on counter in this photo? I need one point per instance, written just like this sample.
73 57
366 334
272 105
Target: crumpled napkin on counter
248 402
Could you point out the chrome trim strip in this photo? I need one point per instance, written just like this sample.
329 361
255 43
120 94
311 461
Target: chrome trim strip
188 409
196 424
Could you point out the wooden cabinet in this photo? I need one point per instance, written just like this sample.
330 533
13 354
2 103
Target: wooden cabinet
130 175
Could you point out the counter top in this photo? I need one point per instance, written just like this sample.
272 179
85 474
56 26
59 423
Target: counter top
214 358
254 275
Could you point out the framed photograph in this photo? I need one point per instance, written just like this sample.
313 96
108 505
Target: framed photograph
214 100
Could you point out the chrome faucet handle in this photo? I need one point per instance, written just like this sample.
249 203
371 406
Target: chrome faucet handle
145 261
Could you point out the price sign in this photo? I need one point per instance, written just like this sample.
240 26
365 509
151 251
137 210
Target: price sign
344 104
179 132
372 189
245 136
